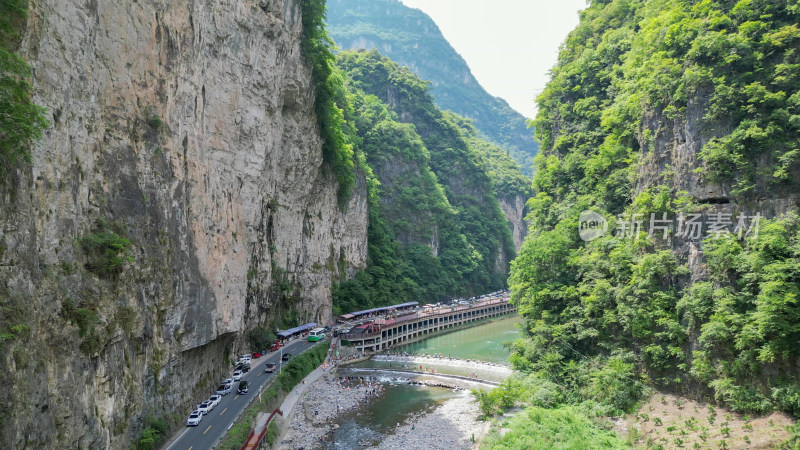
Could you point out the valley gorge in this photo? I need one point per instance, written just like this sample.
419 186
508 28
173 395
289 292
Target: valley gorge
191 187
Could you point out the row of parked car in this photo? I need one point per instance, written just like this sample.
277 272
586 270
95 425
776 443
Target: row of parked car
224 388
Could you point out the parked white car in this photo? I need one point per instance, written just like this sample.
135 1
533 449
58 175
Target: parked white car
237 375
215 399
194 419
205 407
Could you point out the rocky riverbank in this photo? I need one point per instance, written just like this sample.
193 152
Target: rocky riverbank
452 425
322 402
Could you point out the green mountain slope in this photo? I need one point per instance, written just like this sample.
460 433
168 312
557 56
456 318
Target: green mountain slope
668 108
436 228
410 38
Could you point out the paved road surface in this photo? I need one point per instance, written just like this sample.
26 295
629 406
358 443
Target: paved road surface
216 422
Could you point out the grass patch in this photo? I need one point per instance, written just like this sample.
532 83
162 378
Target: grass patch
565 427
272 433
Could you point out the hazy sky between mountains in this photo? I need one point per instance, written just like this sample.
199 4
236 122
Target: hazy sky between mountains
510 45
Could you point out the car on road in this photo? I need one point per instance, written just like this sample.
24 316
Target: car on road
194 419
242 387
205 407
286 356
224 389
237 375
270 368
215 399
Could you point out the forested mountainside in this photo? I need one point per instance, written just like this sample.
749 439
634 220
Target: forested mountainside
436 227
689 111
410 38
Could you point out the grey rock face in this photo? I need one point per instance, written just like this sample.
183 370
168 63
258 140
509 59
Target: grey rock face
190 127
514 210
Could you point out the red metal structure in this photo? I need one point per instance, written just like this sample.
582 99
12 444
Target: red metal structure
254 441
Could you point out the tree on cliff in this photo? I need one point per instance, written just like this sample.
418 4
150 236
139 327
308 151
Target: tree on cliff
21 121
640 86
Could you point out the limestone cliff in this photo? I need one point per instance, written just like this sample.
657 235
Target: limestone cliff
514 210
189 128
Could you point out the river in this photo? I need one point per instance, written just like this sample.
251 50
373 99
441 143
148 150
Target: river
368 425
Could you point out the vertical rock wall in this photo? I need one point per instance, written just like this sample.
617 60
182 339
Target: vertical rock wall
189 128
514 210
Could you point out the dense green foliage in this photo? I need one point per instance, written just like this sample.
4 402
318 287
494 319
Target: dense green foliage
392 274
747 319
606 316
337 152
565 427
302 365
409 37
106 251
21 121
505 173
260 338
272 432
429 190
152 435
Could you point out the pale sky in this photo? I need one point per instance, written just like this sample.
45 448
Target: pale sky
510 45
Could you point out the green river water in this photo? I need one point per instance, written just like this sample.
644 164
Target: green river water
483 342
